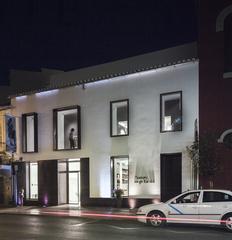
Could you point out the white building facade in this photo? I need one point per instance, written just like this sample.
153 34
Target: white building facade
156 110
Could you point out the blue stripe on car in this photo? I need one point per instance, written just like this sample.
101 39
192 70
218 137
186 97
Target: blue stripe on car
177 210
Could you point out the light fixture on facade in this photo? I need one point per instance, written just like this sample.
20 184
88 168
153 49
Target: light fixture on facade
19 98
47 93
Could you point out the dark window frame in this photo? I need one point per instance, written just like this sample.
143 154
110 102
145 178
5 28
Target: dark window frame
55 124
111 117
161 111
24 132
112 158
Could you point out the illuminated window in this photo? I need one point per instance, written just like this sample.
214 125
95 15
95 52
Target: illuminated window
171 112
119 116
119 168
67 128
32 181
30 132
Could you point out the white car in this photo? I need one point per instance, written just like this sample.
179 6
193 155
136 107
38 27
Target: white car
209 206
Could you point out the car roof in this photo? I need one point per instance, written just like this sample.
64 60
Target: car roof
210 190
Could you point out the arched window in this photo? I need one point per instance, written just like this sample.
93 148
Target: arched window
224 24
226 138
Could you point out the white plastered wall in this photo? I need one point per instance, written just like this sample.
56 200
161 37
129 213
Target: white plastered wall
144 144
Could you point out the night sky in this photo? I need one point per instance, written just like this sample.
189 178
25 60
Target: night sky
70 34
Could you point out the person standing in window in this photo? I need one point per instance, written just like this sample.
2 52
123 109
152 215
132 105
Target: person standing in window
71 138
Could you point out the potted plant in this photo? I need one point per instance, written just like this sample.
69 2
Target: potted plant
118 193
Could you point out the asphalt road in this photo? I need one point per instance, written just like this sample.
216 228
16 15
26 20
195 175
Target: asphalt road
21 227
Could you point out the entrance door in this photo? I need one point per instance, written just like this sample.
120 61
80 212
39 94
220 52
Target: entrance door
74 187
69 181
171 177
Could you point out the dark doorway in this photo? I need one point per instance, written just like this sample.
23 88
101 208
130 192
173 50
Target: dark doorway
171 176
1 190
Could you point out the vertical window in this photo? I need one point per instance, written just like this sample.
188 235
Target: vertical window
30 132
67 128
171 112
119 172
228 45
32 181
119 117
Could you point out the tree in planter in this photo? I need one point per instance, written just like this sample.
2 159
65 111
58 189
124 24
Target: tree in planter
205 156
6 158
118 193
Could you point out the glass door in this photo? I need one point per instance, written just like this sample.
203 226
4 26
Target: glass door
74 187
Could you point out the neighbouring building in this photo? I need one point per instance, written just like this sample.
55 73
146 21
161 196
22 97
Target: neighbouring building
121 125
5 162
215 83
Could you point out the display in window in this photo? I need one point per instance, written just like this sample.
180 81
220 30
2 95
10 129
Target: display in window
67 128
119 118
120 174
171 112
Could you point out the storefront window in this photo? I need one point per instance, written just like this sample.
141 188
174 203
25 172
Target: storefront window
171 112
119 114
67 128
32 181
119 166
30 132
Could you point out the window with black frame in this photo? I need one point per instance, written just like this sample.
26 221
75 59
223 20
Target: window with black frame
30 132
67 128
119 116
171 112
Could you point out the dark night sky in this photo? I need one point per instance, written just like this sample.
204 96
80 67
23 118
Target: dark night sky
70 34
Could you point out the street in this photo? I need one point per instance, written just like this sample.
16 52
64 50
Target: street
50 227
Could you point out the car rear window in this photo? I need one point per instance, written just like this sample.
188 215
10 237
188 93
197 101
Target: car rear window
216 197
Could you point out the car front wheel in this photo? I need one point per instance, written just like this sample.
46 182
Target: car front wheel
227 222
156 219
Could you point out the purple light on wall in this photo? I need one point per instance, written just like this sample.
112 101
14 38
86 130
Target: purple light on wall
45 200
19 201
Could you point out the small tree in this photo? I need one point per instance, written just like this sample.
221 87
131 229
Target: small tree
6 158
205 156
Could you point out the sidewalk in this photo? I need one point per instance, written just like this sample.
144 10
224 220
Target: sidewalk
70 211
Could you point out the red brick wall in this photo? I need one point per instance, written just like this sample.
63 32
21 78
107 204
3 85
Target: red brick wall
215 92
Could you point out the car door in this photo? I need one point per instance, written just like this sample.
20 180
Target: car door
184 209
214 204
